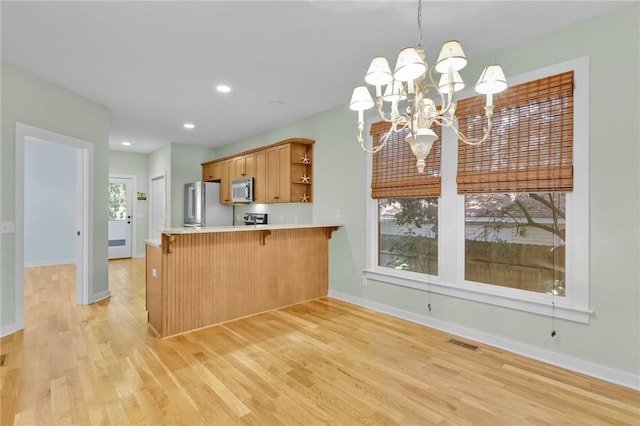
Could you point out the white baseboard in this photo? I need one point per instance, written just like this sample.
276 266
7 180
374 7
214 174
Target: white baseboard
564 361
100 296
139 255
49 263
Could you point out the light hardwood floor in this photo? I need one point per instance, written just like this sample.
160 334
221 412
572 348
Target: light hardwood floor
320 362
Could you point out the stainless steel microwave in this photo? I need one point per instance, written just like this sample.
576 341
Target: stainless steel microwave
242 190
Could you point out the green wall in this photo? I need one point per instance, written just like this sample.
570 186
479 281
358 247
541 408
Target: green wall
132 163
612 339
181 163
185 168
29 99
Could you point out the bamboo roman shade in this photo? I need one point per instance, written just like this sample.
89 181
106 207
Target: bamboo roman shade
531 143
395 174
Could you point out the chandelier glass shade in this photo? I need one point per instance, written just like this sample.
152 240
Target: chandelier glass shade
405 102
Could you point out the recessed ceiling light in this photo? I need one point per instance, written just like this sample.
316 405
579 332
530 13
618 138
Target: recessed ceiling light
189 125
277 103
223 88
125 143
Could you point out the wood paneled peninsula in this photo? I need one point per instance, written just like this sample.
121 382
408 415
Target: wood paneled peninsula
198 277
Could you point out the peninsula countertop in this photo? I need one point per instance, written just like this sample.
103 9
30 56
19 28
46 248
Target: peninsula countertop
245 228
239 228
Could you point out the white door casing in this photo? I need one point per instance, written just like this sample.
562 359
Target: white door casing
157 206
84 203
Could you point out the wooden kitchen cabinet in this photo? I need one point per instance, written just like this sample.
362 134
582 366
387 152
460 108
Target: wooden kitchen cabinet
260 177
211 172
282 172
278 174
225 182
242 166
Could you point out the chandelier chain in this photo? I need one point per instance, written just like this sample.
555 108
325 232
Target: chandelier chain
419 23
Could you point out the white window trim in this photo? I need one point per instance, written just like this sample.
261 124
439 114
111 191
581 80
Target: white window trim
575 305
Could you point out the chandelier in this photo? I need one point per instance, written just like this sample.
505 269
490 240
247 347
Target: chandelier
407 88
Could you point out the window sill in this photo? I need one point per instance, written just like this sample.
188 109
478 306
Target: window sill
479 293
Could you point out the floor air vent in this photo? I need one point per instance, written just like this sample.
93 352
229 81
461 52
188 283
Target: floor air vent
2 359
463 344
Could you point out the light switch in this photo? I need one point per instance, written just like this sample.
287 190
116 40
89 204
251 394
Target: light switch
154 272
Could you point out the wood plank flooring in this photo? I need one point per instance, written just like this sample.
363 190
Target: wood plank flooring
320 362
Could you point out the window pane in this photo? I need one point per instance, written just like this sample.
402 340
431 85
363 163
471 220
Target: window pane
117 201
408 234
516 240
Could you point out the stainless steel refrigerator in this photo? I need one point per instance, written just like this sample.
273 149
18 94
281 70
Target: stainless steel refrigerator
202 205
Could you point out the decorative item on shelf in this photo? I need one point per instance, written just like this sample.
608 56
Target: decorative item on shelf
409 82
304 198
304 179
305 159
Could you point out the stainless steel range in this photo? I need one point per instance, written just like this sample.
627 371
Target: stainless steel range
255 218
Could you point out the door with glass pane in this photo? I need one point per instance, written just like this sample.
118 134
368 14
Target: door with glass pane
120 209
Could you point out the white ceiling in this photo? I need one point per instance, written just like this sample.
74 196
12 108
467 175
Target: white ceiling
155 64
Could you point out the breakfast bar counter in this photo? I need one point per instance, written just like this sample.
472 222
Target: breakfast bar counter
198 277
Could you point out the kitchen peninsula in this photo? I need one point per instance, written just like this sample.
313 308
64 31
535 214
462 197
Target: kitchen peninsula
197 277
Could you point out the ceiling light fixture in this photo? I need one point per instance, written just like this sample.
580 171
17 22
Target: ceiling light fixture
125 143
223 88
409 82
189 125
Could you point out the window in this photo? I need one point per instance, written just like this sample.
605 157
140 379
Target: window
512 227
516 240
515 184
407 204
408 234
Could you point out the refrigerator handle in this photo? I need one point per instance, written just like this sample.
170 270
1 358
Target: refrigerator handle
190 202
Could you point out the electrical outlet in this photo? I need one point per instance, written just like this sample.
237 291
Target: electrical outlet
7 227
365 282
154 272
338 213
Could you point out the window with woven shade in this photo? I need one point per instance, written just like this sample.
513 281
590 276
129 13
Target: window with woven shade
515 229
531 143
395 174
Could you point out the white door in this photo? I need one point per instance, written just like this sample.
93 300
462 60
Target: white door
120 217
158 212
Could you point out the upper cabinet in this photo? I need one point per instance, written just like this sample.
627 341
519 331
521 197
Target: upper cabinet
242 166
260 178
282 172
278 172
225 182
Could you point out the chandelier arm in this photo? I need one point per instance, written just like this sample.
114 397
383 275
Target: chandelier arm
382 114
444 109
375 149
472 142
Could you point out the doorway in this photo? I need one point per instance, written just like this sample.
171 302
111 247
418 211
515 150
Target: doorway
158 220
83 221
121 211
